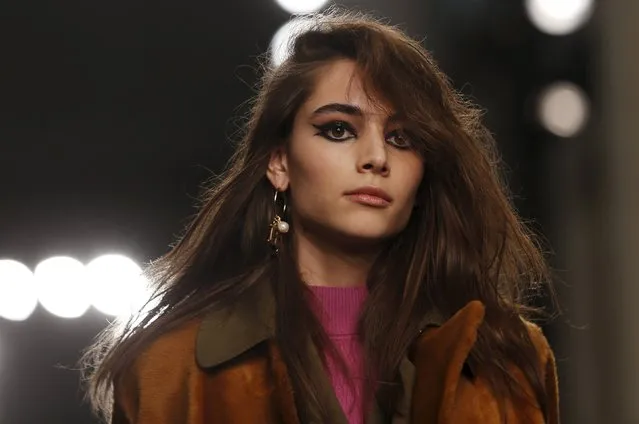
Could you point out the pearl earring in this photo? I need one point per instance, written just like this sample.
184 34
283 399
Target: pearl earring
278 225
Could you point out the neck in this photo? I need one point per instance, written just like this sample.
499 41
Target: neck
324 263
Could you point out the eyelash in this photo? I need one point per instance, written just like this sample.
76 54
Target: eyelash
325 129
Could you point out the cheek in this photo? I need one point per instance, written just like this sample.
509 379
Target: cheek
315 165
410 181
314 174
411 178
308 173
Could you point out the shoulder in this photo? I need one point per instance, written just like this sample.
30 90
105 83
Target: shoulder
548 370
169 357
540 343
144 392
545 357
173 347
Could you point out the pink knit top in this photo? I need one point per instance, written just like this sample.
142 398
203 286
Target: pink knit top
338 309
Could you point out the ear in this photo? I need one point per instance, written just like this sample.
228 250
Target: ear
277 171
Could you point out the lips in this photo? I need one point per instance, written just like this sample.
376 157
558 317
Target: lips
371 193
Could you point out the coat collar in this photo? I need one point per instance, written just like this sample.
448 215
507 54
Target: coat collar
228 332
440 351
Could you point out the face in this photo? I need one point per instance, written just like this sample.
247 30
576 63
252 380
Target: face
349 169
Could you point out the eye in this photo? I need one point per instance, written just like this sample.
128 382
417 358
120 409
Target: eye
336 131
400 139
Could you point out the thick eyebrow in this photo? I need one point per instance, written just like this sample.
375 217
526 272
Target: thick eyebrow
339 107
348 110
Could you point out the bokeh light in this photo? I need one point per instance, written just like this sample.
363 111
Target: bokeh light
61 286
282 40
116 285
18 297
301 6
563 109
559 17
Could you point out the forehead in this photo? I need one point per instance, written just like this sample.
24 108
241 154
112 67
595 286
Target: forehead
341 82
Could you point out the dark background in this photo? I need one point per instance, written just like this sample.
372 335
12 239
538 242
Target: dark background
112 114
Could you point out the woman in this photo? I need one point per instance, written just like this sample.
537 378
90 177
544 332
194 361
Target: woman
358 261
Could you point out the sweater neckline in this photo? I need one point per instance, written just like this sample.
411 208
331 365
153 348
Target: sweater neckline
338 308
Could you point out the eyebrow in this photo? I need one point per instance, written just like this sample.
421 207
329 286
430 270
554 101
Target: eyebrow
339 107
348 110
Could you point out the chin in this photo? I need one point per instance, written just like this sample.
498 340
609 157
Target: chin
367 231
354 228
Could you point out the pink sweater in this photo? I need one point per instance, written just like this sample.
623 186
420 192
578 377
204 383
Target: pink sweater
338 309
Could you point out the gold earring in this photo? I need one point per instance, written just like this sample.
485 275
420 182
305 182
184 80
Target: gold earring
278 225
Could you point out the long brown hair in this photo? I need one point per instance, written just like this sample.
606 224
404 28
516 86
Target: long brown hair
464 241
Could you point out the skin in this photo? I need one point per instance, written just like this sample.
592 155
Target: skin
336 236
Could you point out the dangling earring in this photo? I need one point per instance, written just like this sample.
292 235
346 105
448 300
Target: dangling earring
278 225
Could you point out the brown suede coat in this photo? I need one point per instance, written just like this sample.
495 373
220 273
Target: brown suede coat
226 369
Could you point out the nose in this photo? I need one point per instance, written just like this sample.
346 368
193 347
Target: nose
373 155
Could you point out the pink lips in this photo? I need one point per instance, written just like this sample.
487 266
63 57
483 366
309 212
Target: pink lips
371 196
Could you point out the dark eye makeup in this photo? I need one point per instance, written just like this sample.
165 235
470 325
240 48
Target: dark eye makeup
342 131
336 131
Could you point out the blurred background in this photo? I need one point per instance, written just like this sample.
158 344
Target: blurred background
112 115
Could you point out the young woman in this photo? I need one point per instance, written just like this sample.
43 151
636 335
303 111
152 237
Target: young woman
359 261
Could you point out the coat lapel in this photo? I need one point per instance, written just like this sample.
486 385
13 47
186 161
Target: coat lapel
440 354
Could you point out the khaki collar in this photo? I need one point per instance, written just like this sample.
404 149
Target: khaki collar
228 332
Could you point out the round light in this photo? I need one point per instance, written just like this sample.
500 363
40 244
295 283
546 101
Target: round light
116 285
301 6
283 39
17 291
559 17
61 285
563 109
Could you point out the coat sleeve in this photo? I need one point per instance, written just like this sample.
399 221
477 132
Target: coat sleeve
162 386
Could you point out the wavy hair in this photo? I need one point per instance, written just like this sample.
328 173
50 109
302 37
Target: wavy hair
464 242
